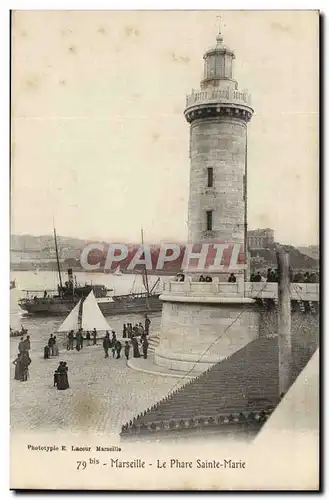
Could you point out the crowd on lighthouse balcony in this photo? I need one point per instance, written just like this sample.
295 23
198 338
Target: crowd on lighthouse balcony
272 276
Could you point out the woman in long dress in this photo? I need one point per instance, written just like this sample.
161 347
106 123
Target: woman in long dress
136 353
17 363
55 347
25 363
61 376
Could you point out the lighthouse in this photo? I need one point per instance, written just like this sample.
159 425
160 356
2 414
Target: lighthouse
218 114
203 323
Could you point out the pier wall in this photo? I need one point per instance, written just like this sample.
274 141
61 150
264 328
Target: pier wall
204 332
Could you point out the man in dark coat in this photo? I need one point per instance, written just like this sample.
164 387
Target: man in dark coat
94 336
51 344
70 340
118 347
21 345
127 349
46 352
106 344
145 348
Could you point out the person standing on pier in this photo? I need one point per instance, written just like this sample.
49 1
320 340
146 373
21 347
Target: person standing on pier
18 366
94 336
55 348
51 344
27 343
60 377
88 337
124 331
118 347
147 324
106 344
145 348
136 353
21 345
78 341
46 352
70 338
79 337
25 363
127 349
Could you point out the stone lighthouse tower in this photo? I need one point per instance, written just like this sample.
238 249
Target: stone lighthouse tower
218 114
205 322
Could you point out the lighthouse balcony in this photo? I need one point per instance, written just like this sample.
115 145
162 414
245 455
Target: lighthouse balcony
225 96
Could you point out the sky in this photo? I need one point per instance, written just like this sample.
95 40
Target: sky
99 140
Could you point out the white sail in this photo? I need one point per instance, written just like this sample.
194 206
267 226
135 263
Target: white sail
92 316
71 321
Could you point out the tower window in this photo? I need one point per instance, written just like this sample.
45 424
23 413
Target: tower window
210 177
209 220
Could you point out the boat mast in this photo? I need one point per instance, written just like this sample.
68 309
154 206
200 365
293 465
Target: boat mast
146 284
80 313
57 259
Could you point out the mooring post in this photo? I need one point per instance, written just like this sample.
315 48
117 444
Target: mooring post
284 323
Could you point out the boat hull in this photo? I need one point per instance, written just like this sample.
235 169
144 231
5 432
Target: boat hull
133 305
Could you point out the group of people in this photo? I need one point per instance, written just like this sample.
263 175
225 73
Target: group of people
112 343
60 376
144 344
23 360
206 279
306 277
51 348
133 331
272 276
79 338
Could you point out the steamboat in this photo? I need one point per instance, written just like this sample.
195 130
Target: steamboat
62 301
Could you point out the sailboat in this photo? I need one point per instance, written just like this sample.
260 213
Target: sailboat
87 315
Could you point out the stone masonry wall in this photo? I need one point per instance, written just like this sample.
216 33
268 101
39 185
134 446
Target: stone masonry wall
218 143
188 330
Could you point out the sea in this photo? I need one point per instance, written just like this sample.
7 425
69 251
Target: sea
39 328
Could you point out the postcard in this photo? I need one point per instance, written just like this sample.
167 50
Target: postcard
165 272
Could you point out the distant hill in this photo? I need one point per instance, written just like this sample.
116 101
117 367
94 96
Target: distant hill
266 257
39 250
312 251
28 243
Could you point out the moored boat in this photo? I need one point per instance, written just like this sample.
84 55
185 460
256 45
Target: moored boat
61 301
69 295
